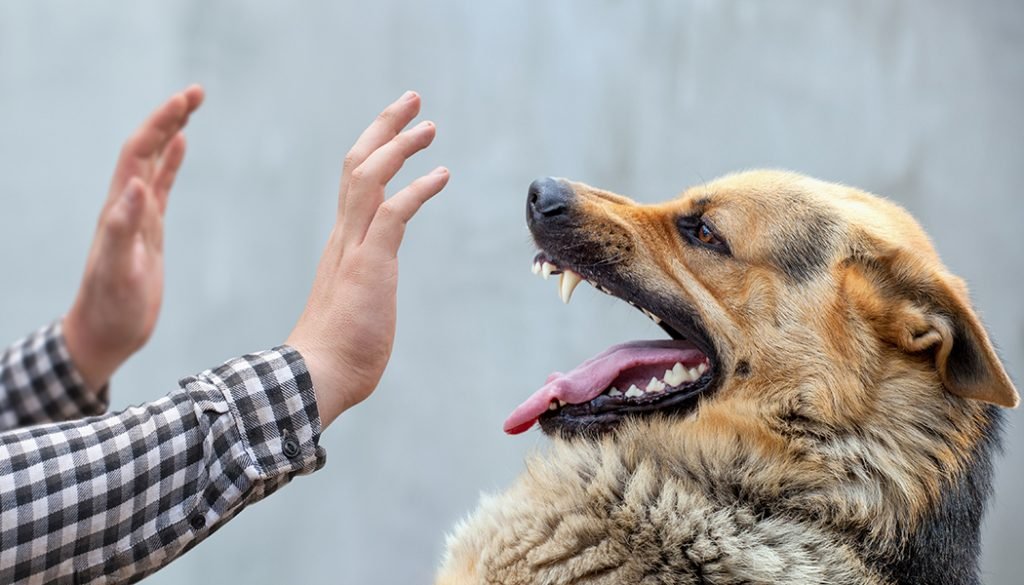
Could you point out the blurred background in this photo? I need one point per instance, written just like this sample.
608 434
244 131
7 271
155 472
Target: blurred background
919 101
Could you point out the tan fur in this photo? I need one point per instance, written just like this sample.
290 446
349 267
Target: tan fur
856 412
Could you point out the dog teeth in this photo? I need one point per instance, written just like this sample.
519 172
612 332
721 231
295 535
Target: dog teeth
568 283
670 378
553 406
546 269
678 375
655 385
569 280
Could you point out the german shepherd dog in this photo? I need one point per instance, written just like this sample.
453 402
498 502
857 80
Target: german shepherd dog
826 410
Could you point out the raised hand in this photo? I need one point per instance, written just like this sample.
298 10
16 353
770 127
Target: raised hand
118 302
347 330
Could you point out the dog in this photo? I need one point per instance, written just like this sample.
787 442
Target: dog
825 410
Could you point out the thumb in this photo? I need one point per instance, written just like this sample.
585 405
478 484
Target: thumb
124 219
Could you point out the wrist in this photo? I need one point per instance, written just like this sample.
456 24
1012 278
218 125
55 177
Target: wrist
95 364
331 397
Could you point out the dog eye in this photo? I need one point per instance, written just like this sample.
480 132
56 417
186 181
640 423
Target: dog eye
700 233
704 234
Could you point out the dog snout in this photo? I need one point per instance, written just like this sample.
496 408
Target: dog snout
547 199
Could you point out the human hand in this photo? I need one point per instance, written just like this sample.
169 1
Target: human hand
117 304
347 329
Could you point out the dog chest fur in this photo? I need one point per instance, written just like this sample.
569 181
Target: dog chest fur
588 513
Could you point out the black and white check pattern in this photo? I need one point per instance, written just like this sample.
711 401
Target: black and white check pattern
39 385
112 498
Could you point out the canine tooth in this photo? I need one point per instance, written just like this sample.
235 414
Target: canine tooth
614 392
633 392
703 367
568 283
546 269
552 406
655 385
536 268
670 378
561 403
680 372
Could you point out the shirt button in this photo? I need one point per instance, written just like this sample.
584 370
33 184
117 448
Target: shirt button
291 447
197 522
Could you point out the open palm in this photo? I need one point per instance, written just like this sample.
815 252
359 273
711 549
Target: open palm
119 300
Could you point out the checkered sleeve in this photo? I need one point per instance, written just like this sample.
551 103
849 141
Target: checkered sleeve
111 499
39 383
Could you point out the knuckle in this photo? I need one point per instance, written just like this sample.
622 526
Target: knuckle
116 224
359 175
352 160
389 212
386 117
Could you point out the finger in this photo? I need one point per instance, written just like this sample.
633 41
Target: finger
157 130
387 125
195 94
168 171
151 138
388 225
367 182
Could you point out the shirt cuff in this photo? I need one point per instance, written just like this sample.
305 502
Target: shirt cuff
271 399
40 384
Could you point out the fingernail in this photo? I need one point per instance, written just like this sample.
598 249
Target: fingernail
439 171
409 95
423 125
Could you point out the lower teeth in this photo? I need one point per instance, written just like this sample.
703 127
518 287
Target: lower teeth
674 379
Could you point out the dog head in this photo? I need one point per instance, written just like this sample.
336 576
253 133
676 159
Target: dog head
824 372
779 292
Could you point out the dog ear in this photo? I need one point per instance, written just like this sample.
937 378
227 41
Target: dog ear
913 303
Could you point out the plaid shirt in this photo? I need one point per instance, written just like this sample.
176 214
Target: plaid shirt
112 498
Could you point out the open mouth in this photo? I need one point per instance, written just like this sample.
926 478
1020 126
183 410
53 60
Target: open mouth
633 378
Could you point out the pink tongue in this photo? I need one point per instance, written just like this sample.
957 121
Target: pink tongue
588 380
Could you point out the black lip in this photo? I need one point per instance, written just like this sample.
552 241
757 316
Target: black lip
604 413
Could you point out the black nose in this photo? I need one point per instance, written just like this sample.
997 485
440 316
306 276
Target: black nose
547 198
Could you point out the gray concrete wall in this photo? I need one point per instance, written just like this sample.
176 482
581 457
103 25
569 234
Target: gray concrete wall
920 101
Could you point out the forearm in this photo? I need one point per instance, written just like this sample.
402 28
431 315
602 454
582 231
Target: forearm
122 495
40 384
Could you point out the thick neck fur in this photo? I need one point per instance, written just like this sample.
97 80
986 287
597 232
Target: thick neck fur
906 477
752 491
